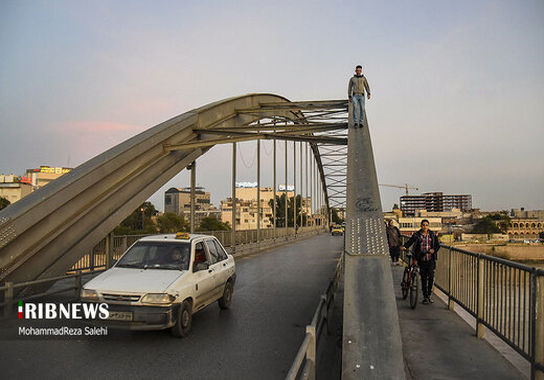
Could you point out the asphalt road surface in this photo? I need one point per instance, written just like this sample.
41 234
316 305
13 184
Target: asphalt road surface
275 296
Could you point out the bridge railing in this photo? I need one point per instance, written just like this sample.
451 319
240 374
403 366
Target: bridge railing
112 247
307 353
504 296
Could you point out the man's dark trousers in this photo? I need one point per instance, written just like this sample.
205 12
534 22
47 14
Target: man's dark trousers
426 269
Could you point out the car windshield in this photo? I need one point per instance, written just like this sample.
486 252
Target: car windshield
157 255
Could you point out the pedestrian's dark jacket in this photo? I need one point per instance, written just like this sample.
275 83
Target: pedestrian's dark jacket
393 236
416 239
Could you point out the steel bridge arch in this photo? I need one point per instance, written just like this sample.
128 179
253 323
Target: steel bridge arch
46 232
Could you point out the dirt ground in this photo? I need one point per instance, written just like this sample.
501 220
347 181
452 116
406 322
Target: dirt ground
526 253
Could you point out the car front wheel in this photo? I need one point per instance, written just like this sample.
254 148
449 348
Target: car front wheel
183 320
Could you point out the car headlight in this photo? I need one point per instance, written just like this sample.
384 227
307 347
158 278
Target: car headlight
158 298
89 295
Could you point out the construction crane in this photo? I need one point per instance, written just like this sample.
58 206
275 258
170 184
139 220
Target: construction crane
405 187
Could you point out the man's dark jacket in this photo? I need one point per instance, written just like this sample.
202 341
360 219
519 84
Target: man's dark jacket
416 238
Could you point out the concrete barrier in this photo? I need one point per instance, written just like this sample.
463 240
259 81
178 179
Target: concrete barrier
372 346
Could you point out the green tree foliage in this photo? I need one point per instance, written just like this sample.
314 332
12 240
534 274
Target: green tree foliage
280 211
335 217
171 223
4 203
486 225
132 225
502 219
211 223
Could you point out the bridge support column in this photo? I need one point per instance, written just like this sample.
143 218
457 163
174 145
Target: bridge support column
451 303
295 188
539 328
109 250
480 328
233 195
306 182
8 299
275 193
311 353
258 191
286 225
301 189
193 185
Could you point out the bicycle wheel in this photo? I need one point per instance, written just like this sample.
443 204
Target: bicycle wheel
414 290
405 284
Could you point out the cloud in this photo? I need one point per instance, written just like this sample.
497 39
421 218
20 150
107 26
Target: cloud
92 126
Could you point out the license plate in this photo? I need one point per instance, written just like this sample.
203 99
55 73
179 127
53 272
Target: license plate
120 316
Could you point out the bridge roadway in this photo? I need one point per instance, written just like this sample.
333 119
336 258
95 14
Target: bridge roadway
275 297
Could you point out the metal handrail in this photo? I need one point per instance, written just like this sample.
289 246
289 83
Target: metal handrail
503 296
77 271
308 348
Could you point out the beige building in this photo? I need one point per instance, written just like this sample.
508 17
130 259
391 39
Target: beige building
525 228
14 188
178 201
246 207
531 214
409 225
44 174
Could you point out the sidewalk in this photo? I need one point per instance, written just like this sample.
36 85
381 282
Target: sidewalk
438 344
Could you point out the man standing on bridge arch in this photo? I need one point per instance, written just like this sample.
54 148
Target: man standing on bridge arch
356 93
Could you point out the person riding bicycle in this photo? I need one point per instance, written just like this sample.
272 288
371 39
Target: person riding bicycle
425 250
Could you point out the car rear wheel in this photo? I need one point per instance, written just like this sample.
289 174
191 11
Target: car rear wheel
183 320
224 302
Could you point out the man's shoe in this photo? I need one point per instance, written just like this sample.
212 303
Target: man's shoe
431 299
425 301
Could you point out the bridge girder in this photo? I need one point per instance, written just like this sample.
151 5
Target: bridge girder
45 233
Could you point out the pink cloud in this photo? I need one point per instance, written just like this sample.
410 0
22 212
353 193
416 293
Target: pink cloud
93 126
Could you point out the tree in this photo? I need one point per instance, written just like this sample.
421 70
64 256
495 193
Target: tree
335 218
502 219
280 211
211 223
132 225
170 223
4 203
486 225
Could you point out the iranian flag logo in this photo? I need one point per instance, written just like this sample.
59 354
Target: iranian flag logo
20 310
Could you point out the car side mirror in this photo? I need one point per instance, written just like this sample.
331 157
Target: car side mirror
201 266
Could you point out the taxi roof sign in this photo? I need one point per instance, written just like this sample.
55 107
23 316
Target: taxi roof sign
183 235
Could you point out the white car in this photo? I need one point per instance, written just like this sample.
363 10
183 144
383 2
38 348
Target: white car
162 280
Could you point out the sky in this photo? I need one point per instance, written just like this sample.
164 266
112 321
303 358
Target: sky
457 87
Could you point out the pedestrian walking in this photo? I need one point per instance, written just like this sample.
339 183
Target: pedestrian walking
356 93
393 241
426 247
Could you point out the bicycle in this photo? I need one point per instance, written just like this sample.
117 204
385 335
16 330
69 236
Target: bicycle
410 282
